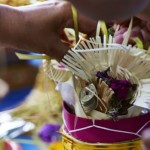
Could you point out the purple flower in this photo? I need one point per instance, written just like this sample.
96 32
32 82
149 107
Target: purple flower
48 133
103 75
120 88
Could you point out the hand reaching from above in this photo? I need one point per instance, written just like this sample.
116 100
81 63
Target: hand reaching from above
38 27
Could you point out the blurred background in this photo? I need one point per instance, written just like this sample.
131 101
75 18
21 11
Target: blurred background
29 104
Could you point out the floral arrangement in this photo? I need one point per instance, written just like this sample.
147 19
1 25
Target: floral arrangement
109 84
113 76
115 95
105 85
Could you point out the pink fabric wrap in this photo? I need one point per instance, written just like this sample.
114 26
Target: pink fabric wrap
94 135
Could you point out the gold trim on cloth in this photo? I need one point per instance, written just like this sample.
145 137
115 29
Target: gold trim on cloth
69 143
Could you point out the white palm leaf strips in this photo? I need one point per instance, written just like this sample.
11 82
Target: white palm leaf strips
125 62
55 71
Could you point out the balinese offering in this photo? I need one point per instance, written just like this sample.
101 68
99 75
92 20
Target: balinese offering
107 96
104 82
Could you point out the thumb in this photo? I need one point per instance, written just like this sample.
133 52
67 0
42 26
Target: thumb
59 50
86 25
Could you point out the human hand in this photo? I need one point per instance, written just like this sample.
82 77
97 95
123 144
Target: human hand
38 28
140 29
112 10
43 24
146 139
145 13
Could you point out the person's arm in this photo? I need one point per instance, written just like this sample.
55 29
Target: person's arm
145 14
110 10
38 27
10 24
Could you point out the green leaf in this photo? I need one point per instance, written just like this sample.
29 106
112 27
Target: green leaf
104 29
102 25
98 28
75 21
31 57
138 42
148 51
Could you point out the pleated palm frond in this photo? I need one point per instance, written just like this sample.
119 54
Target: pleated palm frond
55 71
125 62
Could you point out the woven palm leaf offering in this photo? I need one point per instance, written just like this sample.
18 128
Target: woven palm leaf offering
108 96
105 87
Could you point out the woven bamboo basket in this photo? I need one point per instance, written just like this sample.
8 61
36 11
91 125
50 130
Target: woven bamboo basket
70 143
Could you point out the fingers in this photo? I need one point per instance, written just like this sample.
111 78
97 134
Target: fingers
145 14
85 24
110 10
148 26
58 50
146 139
